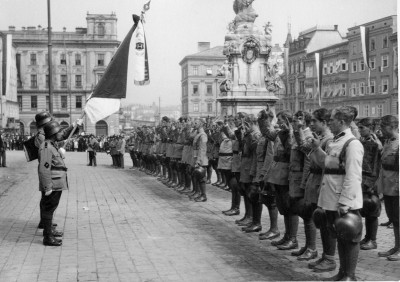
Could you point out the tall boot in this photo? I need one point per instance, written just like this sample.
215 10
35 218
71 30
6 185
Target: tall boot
342 260
351 251
223 181
273 231
218 173
203 196
209 174
48 237
293 226
256 224
285 237
311 234
248 218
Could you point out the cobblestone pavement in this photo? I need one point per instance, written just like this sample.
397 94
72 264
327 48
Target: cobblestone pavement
123 225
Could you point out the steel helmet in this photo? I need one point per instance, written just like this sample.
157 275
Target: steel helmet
42 118
51 128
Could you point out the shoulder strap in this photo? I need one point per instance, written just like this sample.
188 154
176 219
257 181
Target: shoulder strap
342 155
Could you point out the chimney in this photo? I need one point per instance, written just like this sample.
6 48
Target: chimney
11 28
64 29
203 46
336 27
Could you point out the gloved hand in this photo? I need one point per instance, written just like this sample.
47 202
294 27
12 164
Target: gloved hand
342 210
47 193
78 122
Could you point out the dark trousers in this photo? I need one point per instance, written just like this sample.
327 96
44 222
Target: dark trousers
121 160
392 211
92 158
3 157
48 204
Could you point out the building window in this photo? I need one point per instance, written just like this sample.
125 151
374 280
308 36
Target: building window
209 71
343 89
297 67
372 44
354 48
361 88
353 89
64 102
209 89
63 59
77 59
195 70
195 107
331 68
33 103
385 42
100 30
292 68
195 89
372 87
47 103
385 85
354 66
33 81
372 63
366 110
209 107
33 59
19 99
78 80
47 81
380 110
302 89
78 102
63 81
46 59
301 66
362 66
385 61
100 60
99 76
344 65
325 69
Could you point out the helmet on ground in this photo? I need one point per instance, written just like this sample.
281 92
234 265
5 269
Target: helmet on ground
51 128
42 118
319 217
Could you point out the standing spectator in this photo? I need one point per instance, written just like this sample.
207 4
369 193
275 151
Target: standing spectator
76 145
92 147
2 153
121 151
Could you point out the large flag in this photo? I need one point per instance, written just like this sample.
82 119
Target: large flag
318 64
128 67
364 34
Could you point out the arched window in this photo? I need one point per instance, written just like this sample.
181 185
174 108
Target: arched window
101 128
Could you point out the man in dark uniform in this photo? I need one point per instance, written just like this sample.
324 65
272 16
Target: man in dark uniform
388 182
200 160
2 153
370 170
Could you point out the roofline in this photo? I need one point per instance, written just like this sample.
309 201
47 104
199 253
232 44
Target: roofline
374 21
205 58
330 47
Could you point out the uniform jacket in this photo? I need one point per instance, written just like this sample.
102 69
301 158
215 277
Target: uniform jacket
248 170
93 144
345 188
200 148
120 147
225 154
388 181
258 161
371 161
52 170
279 170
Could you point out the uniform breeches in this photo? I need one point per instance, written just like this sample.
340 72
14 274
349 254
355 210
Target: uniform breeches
268 196
282 199
392 209
48 204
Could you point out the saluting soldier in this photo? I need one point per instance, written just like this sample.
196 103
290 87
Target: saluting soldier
388 182
341 193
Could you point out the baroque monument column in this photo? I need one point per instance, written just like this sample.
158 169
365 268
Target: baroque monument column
247 81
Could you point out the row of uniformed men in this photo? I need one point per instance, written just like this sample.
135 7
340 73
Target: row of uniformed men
323 167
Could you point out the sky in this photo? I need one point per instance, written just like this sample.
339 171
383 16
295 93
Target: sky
173 27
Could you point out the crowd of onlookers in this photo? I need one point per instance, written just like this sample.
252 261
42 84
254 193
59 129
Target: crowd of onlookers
13 142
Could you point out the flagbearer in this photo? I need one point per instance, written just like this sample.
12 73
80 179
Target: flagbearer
52 180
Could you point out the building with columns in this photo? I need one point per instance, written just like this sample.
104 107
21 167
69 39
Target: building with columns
200 87
79 60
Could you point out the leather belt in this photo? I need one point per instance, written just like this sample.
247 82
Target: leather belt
225 154
59 168
315 170
235 152
337 171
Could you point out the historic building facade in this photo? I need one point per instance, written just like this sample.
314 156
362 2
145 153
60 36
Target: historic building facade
9 112
346 79
79 59
199 83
